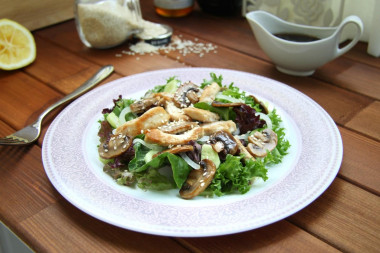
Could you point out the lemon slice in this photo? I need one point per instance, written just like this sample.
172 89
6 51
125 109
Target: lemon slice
17 46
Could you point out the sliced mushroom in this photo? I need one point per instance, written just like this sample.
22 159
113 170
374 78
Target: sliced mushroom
143 105
168 97
177 127
198 180
223 142
201 115
193 96
176 150
186 94
209 93
221 104
262 105
218 146
262 142
242 149
117 145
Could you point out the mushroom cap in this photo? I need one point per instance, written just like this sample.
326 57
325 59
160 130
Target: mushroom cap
262 142
221 104
186 94
176 150
115 146
262 105
229 144
198 180
143 105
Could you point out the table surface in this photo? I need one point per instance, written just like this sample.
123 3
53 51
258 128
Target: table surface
344 218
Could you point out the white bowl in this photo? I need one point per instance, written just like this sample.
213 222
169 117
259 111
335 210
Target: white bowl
300 58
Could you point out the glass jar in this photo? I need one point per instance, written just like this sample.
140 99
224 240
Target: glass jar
107 23
173 8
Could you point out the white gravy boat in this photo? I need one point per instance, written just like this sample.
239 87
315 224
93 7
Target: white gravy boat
295 57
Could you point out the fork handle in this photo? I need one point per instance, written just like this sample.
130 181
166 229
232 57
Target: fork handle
95 79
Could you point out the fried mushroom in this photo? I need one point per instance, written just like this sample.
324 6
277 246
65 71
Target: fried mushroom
224 143
262 142
220 104
263 107
115 146
176 150
198 180
186 94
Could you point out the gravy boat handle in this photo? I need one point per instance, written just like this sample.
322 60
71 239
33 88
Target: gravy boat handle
359 25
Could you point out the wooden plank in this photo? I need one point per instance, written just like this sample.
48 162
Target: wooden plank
37 14
62 226
22 98
367 121
281 236
71 82
351 75
65 34
212 28
5 129
345 216
359 54
54 63
67 85
25 188
361 160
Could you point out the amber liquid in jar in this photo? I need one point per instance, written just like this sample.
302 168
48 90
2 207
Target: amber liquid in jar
173 8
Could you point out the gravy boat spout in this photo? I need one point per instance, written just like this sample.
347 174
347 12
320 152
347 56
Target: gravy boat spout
300 49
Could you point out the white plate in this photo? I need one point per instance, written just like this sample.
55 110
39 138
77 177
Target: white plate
70 159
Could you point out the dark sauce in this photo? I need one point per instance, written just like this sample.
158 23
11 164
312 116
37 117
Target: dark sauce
296 37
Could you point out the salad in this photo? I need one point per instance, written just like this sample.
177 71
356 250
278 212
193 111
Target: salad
206 139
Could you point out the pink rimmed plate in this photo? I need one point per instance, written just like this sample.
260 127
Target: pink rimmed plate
70 159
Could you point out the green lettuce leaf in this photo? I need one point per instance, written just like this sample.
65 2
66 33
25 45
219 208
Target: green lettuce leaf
235 175
214 78
179 166
152 179
276 155
226 113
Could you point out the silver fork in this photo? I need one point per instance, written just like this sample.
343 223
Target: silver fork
30 133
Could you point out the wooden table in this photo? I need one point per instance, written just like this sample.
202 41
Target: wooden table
344 218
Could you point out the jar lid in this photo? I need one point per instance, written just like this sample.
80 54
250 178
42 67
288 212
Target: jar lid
163 37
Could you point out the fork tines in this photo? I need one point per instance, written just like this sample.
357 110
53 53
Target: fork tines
10 139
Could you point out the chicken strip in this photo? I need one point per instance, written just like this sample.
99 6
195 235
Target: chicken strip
209 93
210 128
177 127
201 115
152 118
157 136
176 114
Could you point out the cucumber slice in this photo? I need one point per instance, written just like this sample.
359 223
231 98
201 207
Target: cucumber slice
105 161
148 157
172 86
209 153
113 120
